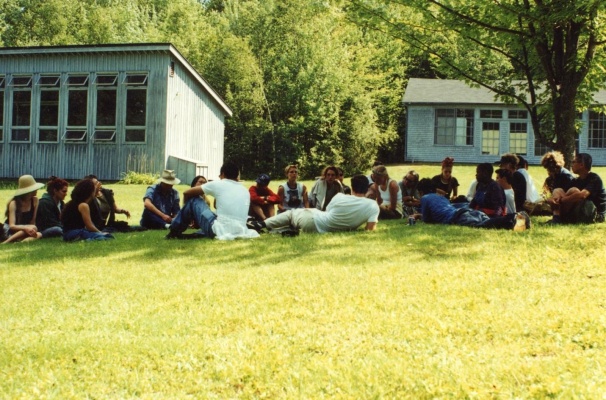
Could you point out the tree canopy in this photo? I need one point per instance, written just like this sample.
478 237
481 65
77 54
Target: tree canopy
545 55
307 86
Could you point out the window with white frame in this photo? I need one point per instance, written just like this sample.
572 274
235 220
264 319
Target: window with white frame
48 108
490 138
21 108
136 107
453 127
597 130
105 117
77 106
518 137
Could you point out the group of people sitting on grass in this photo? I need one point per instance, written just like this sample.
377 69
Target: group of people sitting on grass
330 205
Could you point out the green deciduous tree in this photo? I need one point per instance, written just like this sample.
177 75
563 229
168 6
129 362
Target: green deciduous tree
545 55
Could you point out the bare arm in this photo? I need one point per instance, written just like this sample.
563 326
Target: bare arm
84 210
305 198
370 226
281 196
29 229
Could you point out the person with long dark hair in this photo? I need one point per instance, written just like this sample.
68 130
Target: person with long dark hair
76 216
48 218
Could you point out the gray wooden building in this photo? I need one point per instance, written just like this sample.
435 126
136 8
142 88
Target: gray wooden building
449 118
71 111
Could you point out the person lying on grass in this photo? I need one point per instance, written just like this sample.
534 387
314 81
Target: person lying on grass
344 213
438 209
232 201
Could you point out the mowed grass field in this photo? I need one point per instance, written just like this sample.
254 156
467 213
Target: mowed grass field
419 312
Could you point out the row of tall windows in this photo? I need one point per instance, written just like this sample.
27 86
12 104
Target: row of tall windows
456 127
53 107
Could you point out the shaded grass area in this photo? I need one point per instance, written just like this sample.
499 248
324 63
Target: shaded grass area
418 311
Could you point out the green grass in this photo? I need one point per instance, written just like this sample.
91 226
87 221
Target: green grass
414 312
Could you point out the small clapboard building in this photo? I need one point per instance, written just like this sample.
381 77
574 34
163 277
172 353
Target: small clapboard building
448 118
71 111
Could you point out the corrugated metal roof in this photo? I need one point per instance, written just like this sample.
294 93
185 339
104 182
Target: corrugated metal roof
451 91
119 48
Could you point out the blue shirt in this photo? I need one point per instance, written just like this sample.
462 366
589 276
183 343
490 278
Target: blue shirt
436 208
168 202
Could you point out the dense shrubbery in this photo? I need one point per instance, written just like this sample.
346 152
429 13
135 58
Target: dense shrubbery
137 178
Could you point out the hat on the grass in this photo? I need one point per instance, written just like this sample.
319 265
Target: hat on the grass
169 177
263 180
27 184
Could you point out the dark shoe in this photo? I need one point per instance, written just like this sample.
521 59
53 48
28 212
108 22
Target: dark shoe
290 233
172 235
255 225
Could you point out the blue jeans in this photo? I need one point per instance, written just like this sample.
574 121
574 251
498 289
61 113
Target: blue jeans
478 219
83 234
53 231
196 210
150 220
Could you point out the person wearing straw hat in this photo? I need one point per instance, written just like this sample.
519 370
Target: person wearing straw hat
161 202
20 224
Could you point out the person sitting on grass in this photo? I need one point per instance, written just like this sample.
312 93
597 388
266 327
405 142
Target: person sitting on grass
104 209
489 197
293 194
519 184
585 201
232 202
558 176
437 209
20 224
411 200
344 213
504 180
325 188
341 177
389 196
262 199
446 184
76 215
48 217
161 202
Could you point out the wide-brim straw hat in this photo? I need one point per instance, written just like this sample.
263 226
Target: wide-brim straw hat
169 177
27 184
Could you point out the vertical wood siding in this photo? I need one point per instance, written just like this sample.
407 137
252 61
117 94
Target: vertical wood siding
200 136
194 128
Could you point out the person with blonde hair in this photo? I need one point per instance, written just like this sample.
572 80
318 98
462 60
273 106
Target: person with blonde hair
558 176
20 224
292 193
389 196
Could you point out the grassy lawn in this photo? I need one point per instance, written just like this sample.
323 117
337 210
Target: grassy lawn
414 312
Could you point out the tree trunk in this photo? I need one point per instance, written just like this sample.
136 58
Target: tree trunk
565 115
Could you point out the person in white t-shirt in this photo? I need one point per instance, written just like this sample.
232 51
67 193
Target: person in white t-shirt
232 202
344 213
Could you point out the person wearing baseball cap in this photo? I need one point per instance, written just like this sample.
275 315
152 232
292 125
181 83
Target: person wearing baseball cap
263 200
20 224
